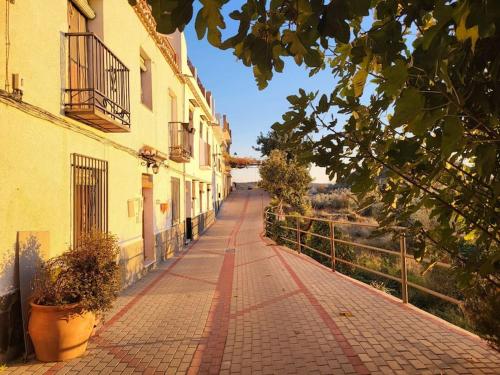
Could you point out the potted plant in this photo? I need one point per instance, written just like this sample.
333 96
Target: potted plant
70 291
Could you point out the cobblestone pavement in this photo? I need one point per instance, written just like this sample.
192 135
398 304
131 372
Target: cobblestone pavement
236 303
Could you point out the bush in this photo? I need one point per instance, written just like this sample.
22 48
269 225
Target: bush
341 199
87 274
482 307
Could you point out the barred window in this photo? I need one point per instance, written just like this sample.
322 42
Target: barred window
89 179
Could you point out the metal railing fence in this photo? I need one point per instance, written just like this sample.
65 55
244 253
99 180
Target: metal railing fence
334 259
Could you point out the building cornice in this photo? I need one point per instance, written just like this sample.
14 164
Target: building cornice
144 13
197 96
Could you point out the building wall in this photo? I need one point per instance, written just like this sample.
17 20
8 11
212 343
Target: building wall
37 140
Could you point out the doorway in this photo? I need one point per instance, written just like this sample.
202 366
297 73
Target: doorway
147 218
189 204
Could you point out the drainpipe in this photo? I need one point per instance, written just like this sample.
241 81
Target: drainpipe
184 164
7 44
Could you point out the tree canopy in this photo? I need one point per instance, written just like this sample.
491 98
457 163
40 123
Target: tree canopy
287 181
415 98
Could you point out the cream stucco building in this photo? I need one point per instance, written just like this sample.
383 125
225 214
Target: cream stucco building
103 124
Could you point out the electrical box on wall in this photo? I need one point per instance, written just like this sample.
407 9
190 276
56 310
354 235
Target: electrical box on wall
17 82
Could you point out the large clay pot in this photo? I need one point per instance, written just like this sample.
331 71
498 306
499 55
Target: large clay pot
59 333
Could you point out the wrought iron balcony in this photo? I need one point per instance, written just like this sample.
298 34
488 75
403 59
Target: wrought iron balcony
97 92
181 142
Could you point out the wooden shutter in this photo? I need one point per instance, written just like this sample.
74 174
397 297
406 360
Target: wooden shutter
78 61
176 197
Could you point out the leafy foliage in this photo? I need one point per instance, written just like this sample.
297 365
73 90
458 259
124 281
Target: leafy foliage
87 275
286 181
295 148
429 125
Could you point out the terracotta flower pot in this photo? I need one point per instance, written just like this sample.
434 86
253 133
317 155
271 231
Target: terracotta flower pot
59 333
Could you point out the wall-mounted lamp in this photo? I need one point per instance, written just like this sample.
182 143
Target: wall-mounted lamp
155 168
154 165
152 158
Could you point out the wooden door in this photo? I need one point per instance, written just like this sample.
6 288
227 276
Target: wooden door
188 210
147 218
188 198
78 56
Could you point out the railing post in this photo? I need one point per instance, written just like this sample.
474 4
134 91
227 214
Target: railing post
265 222
404 272
298 235
332 245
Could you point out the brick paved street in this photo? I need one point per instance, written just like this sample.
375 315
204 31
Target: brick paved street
235 303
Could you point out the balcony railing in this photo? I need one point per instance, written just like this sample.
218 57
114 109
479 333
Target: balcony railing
98 92
181 148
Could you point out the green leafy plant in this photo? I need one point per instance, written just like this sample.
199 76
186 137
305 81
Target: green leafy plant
286 180
87 274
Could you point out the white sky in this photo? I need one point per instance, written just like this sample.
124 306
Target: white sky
252 175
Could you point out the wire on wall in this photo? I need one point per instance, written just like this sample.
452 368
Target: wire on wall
7 43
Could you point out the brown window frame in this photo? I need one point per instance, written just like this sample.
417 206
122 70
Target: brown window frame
89 181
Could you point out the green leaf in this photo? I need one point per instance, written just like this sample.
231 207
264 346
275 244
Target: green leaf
424 121
333 23
358 81
323 105
403 151
200 26
293 99
295 45
452 135
395 78
361 180
486 156
463 32
313 58
359 7
408 106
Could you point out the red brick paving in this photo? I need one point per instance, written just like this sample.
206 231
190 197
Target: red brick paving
263 309
347 349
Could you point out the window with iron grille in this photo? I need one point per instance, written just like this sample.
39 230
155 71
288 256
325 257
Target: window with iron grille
89 180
